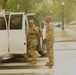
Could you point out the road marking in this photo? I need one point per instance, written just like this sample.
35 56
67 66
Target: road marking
22 64
40 63
13 64
25 71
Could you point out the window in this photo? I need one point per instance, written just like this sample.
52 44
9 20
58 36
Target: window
2 23
7 18
16 21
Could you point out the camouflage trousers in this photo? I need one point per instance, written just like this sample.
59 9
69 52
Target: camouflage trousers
32 48
49 50
33 52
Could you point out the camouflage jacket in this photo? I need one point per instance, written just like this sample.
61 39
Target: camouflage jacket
32 32
50 31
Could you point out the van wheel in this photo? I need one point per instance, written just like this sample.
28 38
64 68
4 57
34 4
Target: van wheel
42 53
42 50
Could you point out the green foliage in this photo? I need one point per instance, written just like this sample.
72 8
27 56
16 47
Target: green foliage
69 9
22 5
43 7
3 3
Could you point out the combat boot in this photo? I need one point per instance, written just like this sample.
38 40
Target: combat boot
33 62
49 64
26 57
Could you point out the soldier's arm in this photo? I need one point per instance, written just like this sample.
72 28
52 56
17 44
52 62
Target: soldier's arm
35 30
50 32
28 32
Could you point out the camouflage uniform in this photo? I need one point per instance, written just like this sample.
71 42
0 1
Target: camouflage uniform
50 42
32 39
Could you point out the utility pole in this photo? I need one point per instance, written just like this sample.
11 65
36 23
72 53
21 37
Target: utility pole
63 15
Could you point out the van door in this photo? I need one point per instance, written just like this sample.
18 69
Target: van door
38 23
17 38
3 35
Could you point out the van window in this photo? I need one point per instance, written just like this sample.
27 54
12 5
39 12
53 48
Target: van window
2 23
7 18
16 21
35 18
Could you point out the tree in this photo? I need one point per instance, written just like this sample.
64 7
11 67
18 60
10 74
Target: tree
68 9
44 9
22 5
3 3
29 5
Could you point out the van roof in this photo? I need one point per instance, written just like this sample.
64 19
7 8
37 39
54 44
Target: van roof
31 14
1 14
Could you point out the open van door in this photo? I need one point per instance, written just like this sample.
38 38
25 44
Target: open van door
38 23
3 35
17 38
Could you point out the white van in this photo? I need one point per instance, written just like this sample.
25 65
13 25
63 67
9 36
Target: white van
13 34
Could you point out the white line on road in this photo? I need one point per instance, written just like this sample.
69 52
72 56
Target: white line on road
25 71
13 64
22 64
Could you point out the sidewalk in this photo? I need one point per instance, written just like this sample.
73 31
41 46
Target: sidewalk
65 64
64 45
64 35
65 39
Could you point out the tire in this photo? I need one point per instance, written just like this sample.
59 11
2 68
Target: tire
40 50
42 53
6 58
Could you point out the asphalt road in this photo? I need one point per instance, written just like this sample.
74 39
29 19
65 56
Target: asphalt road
65 64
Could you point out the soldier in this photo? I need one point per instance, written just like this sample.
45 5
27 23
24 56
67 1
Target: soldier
49 41
32 38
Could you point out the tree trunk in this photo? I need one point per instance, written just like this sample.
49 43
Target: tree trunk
26 9
4 4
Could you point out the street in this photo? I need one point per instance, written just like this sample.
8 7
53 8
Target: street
64 56
65 64
67 35
41 26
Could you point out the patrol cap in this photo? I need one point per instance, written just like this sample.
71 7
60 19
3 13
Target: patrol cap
31 21
48 17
